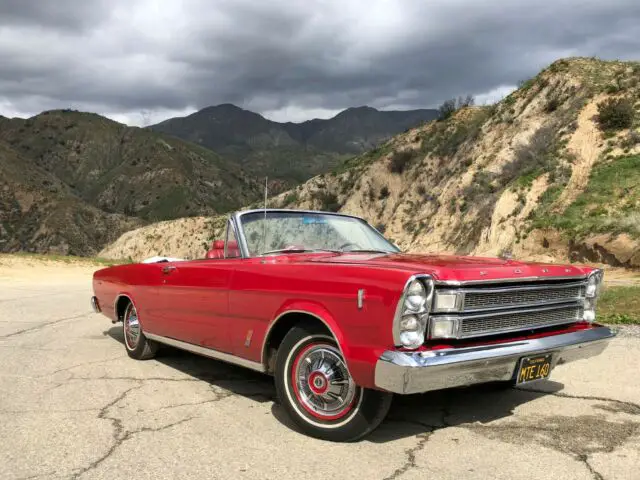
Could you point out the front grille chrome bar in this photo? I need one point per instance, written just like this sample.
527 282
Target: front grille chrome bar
497 308
477 299
495 323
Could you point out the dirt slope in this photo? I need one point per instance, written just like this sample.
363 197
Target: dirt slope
535 176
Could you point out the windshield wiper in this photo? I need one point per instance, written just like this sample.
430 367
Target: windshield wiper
366 250
300 250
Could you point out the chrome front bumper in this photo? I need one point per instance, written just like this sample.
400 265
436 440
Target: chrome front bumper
416 372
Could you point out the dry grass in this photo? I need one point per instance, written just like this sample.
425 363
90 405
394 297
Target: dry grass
620 305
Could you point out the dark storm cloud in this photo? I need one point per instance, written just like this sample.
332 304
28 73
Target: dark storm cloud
122 57
64 14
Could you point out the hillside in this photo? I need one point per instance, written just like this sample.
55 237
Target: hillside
109 172
39 213
290 152
552 172
127 169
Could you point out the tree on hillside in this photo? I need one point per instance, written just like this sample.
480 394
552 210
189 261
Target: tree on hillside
449 107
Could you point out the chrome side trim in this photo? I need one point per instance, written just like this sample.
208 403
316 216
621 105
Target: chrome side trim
457 283
207 352
416 372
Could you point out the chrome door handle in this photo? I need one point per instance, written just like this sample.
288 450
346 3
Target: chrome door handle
168 269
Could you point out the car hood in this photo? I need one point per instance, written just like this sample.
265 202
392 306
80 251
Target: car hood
453 268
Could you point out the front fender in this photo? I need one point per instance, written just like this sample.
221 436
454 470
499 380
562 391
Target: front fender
360 360
316 310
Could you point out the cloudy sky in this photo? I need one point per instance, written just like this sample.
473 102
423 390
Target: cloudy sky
140 61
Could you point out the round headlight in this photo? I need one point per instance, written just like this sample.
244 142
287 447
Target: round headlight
593 284
410 322
412 339
416 296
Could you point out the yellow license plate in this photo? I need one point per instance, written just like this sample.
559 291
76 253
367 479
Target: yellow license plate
534 368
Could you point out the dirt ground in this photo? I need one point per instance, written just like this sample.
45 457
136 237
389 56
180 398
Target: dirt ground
74 405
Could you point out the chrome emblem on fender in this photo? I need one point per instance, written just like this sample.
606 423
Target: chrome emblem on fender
360 298
545 270
483 273
517 270
247 340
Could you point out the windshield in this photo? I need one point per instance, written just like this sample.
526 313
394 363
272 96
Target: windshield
302 232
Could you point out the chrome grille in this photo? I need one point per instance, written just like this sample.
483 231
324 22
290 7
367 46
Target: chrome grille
479 325
505 298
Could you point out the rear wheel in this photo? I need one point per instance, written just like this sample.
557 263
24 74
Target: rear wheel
137 345
317 391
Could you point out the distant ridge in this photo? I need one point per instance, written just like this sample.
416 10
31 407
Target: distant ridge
290 152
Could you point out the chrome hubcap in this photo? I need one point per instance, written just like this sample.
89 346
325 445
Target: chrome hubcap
323 383
131 329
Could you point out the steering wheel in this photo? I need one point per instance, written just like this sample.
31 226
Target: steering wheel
342 247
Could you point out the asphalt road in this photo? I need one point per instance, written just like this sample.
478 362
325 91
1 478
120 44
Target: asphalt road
73 405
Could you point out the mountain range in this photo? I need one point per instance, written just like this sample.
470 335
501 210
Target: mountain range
290 152
71 182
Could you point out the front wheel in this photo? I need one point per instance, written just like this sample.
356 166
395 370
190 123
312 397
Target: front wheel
317 391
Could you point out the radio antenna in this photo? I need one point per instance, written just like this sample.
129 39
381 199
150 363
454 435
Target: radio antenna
264 228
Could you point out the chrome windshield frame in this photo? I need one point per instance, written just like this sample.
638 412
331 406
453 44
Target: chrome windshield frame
242 240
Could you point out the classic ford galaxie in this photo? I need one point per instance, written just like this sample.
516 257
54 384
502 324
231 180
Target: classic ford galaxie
343 320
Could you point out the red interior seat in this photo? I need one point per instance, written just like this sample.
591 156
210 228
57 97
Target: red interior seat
217 249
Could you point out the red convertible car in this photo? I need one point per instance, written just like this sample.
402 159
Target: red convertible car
343 320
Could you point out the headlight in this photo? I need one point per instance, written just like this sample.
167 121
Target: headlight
412 312
443 328
594 283
447 301
416 296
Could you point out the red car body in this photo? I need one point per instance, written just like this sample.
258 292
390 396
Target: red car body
239 309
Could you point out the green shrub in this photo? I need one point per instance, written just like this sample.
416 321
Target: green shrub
615 114
532 158
328 201
400 159
290 198
552 105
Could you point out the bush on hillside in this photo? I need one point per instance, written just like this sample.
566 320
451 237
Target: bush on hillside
552 105
537 155
400 159
615 114
328 201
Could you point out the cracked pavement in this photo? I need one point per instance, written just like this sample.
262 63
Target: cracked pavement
74 406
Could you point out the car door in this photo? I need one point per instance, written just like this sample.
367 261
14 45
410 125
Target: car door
195 299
